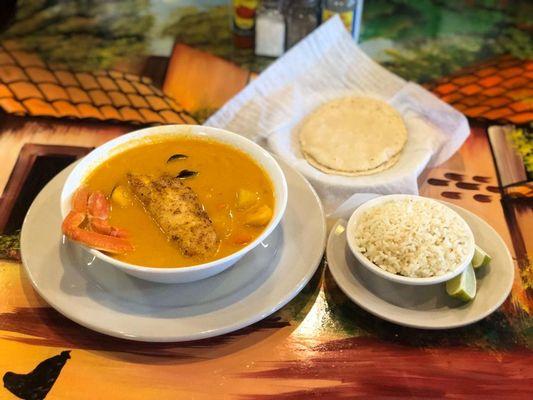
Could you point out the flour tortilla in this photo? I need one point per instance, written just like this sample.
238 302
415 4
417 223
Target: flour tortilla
353 136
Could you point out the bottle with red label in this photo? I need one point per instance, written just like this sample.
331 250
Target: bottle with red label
243 22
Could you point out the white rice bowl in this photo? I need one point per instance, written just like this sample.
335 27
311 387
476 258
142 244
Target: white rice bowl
413 237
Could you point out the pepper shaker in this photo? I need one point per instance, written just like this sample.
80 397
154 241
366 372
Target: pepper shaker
302 19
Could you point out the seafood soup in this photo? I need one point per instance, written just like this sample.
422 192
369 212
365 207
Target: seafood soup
172 202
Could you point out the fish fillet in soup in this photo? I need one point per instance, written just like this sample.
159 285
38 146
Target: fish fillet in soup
176 209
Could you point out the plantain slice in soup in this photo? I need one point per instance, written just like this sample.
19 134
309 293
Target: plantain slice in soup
176 209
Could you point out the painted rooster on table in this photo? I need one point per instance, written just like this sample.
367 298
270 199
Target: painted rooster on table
36 384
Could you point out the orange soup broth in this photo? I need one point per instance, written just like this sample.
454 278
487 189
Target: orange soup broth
222 171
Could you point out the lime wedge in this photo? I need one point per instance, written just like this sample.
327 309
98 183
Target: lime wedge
463 286
481 259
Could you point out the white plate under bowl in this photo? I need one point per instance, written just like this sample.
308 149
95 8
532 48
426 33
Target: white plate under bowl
92 293
426 307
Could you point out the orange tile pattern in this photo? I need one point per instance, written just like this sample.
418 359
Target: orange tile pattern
500 89
29 87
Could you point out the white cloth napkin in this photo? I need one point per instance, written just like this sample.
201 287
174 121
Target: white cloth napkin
327 65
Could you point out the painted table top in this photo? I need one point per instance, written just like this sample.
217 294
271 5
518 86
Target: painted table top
320 344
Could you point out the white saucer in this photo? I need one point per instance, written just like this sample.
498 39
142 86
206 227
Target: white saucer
98 296
427 307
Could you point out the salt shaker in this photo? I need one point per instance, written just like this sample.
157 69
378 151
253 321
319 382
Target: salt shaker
270 29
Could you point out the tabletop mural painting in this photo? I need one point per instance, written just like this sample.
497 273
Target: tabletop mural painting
75 74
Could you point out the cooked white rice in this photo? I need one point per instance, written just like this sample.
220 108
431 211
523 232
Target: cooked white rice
413 237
